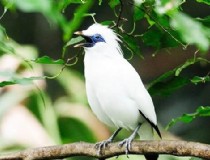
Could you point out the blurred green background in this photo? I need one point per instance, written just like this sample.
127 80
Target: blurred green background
55 110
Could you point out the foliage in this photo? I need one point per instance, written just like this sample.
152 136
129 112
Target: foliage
171 80
187 118
198 34
167 26
48 60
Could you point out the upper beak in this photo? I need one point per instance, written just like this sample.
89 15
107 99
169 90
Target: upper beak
79 33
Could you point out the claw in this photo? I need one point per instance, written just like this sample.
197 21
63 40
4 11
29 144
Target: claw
127 143
102 145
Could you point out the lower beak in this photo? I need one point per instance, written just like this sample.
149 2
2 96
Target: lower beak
79 45
88 41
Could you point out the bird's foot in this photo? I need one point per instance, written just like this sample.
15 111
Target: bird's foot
102 145
127 143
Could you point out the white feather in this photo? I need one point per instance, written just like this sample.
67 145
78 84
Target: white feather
114 89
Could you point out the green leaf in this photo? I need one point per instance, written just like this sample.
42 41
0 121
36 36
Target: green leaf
22 81
6 83
158 39
197 79
167 83
74 41
188 63
185 65
107 23
160 21
161 78
114 3
168 86
5 46
152 37
204 1
26 81
138 14
191 31
48 60
131 44
187 118
12 78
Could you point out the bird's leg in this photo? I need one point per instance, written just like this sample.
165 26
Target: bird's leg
104 143
128 140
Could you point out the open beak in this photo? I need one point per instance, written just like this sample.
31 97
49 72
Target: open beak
88 40
79 33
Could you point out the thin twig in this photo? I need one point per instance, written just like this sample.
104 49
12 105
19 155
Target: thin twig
120 13
67 64
178 148
119 16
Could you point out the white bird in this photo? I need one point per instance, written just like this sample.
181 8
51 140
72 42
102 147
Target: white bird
114 89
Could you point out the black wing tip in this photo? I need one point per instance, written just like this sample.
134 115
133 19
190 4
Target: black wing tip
152 124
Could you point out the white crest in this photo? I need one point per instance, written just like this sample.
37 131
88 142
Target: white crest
110 37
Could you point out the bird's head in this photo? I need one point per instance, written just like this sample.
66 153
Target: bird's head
98 36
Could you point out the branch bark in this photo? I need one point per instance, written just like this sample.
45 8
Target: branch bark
178 148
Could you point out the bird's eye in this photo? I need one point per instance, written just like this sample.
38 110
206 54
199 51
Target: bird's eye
97 37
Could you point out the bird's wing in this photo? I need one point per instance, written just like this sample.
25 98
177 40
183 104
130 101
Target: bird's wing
136 91
95 105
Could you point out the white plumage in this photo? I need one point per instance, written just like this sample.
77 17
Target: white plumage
115 91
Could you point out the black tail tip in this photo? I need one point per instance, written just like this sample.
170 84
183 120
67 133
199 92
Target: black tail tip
158 131
151 156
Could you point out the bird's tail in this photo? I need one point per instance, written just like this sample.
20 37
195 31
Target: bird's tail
146 133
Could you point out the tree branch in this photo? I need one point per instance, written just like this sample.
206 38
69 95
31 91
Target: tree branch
178 148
